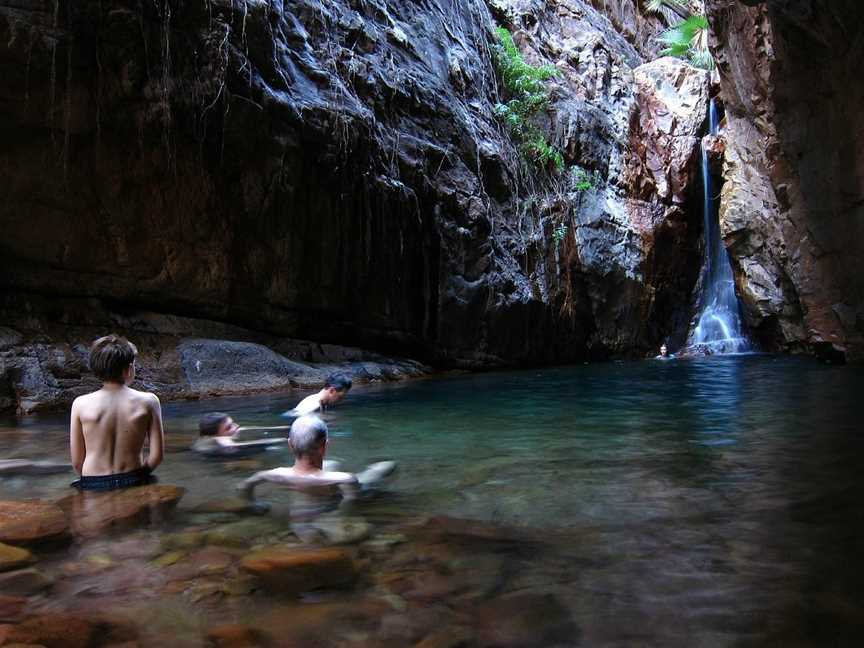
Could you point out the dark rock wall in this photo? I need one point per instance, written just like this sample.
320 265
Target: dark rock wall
333 171
793 206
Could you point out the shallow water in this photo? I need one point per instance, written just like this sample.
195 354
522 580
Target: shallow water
709 502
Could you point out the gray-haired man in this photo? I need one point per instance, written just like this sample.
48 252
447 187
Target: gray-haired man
310 473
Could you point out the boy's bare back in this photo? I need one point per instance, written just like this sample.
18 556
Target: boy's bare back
112 425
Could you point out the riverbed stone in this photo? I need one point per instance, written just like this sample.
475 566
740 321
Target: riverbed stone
91 513
24 582
13 557
524 620
235 635
293 570
30 522
59 630
11 608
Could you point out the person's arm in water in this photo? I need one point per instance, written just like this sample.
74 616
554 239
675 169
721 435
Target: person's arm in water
156 435
287 477
77 448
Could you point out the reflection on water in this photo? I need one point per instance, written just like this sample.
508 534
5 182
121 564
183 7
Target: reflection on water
705 503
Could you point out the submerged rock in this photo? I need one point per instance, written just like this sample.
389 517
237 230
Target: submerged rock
11 609
24 582
13 557
525 620
236 635
31 522
292 570
93 512
70 631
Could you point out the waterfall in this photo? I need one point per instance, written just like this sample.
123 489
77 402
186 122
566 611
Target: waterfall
718 327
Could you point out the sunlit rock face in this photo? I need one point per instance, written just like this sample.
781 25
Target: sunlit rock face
792 208
333 171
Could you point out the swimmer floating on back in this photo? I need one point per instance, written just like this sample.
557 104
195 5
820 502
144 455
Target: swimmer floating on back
218 437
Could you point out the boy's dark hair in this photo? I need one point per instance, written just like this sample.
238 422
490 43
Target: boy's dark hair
339 382
110 356
210 422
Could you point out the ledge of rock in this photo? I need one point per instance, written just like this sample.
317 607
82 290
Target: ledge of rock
31 522
291 570
44 366
93 512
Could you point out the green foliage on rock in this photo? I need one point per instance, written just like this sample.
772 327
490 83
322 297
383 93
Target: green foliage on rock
687 39
525 85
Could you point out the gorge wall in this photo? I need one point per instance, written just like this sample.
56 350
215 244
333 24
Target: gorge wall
333 171
792 209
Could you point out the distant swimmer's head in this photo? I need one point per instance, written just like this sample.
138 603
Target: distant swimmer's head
308 437
217 424
663 350
112 359
336 388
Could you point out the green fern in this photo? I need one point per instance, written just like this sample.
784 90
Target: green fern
526 86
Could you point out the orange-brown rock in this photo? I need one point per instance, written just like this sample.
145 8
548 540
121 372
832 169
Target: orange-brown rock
291 570
236 635
11 608
70 631
93 512
31 522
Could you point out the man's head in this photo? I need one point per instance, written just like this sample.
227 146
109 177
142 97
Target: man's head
112 359
336 387
216 424
308 438
663 350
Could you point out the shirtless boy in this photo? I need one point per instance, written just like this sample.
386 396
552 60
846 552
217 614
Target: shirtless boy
308 442
335 389
218 437
109 427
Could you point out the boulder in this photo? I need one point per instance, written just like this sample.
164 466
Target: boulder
94 512
28 522
291 570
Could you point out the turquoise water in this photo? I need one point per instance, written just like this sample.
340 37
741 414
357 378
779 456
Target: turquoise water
709 502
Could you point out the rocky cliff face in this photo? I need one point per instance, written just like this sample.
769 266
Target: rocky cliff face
792 208
333 171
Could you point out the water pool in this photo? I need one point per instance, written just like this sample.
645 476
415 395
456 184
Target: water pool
709 502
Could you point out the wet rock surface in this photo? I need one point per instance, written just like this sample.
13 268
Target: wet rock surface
293 570
31 522
340 168
47 367
791 207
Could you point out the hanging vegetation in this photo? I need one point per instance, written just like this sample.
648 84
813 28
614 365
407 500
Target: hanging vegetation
525 85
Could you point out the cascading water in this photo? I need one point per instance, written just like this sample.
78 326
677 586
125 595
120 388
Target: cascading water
718 328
